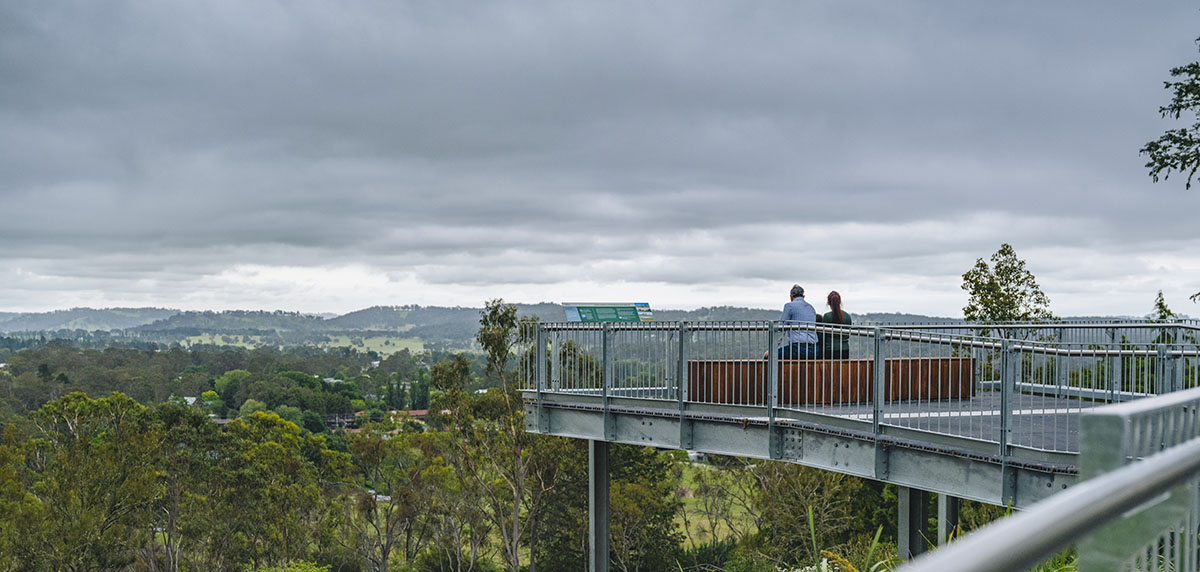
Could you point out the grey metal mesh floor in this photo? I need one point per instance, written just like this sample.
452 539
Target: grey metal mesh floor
1041 422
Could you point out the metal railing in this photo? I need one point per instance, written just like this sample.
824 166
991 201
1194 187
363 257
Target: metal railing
1020 389
1138 510
1078 331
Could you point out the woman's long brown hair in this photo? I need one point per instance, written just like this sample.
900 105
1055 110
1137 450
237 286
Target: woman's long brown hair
835 303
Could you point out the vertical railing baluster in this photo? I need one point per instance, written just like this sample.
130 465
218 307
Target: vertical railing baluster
685 427
882 465
539 357
1114 373
1008 381
1166 369
772 381
554 378
606 379
879 384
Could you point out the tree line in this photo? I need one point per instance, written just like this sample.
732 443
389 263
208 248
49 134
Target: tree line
138 479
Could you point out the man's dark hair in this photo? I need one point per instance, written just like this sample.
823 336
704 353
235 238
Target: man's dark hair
797 291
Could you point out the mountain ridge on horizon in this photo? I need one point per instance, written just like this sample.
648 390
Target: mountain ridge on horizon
405 317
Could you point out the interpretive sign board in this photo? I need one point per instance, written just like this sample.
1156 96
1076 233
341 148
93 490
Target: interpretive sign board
592 312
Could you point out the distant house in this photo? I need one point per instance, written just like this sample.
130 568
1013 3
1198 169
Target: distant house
399 414
333 380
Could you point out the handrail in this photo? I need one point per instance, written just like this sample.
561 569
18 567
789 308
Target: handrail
1085 513
1165 401
901 333
1188 323
1020 541
1015 379
1050 349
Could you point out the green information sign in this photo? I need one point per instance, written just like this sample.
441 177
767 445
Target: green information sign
636 312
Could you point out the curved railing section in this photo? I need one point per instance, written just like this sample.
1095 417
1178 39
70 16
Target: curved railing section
1011 389
1137 511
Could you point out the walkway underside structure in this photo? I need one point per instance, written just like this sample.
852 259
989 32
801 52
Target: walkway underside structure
984 413
946 465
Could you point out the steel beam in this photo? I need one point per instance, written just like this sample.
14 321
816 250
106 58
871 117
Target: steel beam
958 472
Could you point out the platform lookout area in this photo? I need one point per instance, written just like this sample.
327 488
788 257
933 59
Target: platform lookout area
983 412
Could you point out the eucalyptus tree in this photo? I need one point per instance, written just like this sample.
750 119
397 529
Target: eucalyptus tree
394 481
1179 149
96 480
187 457
19 510
1004 291
276 478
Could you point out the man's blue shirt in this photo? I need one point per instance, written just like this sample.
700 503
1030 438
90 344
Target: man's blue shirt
799 311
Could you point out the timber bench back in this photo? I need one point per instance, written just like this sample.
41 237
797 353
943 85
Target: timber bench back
831 382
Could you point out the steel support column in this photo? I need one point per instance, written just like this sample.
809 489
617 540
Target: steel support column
947 518
910 536
598 506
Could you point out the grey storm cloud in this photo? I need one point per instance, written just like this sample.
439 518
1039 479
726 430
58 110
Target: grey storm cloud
543 142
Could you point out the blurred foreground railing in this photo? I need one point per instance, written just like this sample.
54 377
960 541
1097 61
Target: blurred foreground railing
1138 510
1019 390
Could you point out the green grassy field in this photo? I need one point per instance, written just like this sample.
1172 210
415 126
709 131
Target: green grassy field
696 525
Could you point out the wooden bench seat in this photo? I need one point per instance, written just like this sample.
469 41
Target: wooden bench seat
825 382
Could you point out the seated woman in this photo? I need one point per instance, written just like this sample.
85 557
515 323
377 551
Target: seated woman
834 345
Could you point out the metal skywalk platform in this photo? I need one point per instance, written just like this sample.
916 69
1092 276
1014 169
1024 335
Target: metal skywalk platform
988 415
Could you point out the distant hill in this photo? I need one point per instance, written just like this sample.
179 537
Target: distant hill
420 321
82 319
432 322
445 327
895 318
715 314
236 321
397 317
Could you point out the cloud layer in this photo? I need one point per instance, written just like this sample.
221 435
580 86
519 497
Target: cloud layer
326 157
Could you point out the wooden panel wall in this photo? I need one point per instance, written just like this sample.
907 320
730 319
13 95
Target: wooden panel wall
824 382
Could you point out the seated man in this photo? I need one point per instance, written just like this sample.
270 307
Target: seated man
800 344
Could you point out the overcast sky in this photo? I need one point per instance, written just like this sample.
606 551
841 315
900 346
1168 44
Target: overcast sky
328 156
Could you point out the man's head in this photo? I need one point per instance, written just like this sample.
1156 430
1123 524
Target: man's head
797 291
